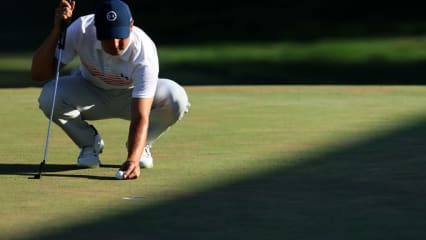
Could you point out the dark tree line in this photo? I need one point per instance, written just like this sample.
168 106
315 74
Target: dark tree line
26 23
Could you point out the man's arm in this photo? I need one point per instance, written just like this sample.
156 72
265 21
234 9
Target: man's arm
138 133
44 63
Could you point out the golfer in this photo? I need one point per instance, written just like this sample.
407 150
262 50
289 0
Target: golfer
117 78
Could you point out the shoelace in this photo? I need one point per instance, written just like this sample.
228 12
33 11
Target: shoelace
147 151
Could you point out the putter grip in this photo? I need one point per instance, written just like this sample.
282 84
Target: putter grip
63 34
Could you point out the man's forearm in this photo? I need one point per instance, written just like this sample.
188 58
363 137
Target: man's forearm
138 132
44 62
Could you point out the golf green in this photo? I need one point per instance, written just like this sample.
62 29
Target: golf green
247 162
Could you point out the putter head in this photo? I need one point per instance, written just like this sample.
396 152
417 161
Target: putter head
38 175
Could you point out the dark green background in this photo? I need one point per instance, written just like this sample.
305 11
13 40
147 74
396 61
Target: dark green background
192 22
26 23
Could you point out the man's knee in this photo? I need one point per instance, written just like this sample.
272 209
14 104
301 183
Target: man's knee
180 103
45 101
46 97
171 98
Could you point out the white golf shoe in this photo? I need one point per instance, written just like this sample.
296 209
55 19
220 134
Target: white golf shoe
146 160
89 156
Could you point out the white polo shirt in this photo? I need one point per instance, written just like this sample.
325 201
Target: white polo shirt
136 68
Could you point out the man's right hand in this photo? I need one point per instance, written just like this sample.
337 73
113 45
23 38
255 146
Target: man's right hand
131 169
63 13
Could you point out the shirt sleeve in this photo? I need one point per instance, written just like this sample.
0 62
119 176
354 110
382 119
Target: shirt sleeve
145 84
145 76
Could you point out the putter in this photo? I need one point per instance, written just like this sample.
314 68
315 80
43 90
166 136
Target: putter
61 46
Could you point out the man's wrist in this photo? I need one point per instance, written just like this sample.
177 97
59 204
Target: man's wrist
132 161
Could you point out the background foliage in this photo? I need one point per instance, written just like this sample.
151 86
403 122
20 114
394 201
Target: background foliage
195 22
235 35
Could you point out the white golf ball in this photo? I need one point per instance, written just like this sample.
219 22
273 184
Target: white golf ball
119 175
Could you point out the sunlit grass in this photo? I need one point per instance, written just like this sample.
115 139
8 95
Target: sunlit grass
230 134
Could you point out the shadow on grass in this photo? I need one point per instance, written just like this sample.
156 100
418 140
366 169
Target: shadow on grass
369 190
50 170
17 169
92 177
372 72
258 72
17 79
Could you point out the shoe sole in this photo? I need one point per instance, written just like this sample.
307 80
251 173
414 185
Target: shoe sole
88 166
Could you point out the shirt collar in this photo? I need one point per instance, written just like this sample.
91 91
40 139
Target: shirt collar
125 56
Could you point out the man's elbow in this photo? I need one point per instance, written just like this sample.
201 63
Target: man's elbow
42 71
40 76
36 77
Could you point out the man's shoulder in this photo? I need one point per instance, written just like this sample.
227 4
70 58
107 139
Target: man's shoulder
140 36
86 21
83 27
88 18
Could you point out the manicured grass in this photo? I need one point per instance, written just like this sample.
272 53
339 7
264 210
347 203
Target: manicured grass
247 162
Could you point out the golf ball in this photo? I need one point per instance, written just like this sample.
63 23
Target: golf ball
119 175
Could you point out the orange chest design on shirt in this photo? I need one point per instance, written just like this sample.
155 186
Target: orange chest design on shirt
112 79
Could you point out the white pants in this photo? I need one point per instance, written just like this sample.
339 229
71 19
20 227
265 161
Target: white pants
77 100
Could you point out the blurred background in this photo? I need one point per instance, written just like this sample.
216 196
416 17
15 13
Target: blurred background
259 42
195 22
